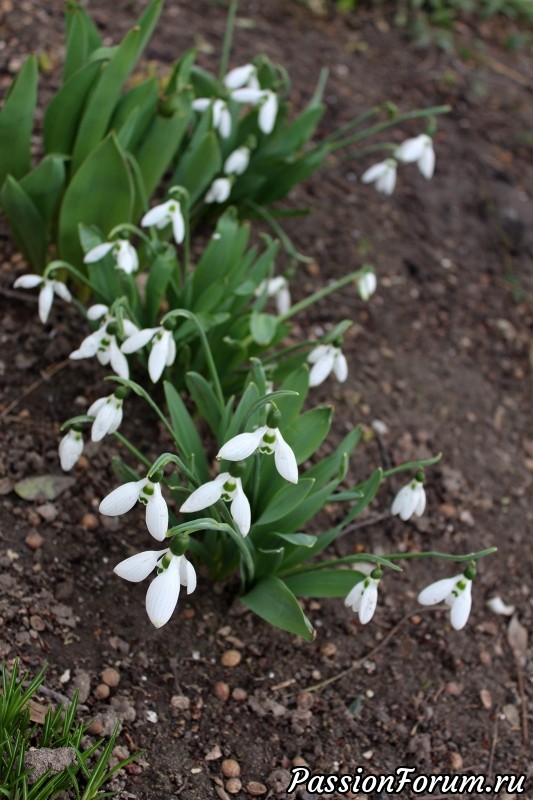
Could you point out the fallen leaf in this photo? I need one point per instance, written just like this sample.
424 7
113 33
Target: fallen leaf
517 638
43 487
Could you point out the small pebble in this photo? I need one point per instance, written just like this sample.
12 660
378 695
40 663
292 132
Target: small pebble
37 623
180 702
233 786
34 540
89 522
239 694
102 691
110 676
222 690
256 789
456 761
328 650
230 658
230 768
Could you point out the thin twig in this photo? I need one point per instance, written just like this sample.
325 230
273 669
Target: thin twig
493 745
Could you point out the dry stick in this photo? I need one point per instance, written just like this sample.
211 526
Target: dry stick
318 686
493 744
523 702
45 377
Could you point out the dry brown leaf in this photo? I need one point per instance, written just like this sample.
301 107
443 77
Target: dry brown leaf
517 638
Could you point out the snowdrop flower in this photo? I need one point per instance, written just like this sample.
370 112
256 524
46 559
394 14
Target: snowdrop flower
123 252
163 353
366 285
221 113
146 491
227 487
107 413
49 287
162 215
411 499
267 440
102 343
219 191
456 593
162 596
241 76
279 288
70 449
383 175
237 161
363 598
326 358
266 99
419 150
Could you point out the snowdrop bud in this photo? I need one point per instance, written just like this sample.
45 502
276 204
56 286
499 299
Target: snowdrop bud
237 161
420 150
411 499
70 449
366 285
456 592
239 76
219 191
383 175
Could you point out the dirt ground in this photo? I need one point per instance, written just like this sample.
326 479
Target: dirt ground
441 356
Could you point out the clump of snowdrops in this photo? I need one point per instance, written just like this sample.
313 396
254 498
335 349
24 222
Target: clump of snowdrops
243 485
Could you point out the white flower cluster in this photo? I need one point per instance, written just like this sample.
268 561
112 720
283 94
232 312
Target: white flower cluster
418 150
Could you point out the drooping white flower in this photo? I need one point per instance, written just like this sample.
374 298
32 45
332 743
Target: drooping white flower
266 440
278 288
107 412
366 285
363 598
163 592
221 113
225 487
383 175
219 191
49 287
246 75
162 215
326 358
237 161
103 343
498 606
123 251
420 150
456 592
122 499
266 99
70 449
163 353
411 499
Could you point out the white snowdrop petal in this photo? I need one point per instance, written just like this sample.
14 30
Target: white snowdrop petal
157 514
163 593
460 610
322 368
438 591
284 459
239 76
187 575
98 252
61 290
426 162
283 301
205 495
237 162
121 499
89 347
158 215
46 298
353 598
138 340
127 259
201 103
28 281
130 328
136 568
96 311
318 352
369 601
118 360
70 449
224 124
242 445
240 510
248 95
420 500
95 407
171 350
268 113
411 150
340 367
374 172
116 419
157 358
178 224
103 421
387 183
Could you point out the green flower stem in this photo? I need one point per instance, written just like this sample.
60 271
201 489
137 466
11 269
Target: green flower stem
53 265
389 123
321 293
427 462
448 556
129 228
228 38
335 562
171 458
372 148
182 312
133 450
354 123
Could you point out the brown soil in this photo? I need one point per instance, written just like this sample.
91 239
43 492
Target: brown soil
441 355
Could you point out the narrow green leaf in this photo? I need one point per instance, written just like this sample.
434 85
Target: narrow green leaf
300 539
272 600
205 400
16 122
369 490
290 407
286 500
159 275
185 431
308 431
328 467
199 165
134 112
27 225
103 175
324 582
159 145
77 43
63 113
44 185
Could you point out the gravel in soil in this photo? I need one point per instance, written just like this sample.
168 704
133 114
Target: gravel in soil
440 360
